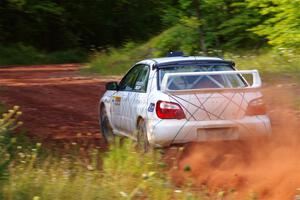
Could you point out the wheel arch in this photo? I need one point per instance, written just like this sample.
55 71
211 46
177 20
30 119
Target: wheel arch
106 106
139 118
101 105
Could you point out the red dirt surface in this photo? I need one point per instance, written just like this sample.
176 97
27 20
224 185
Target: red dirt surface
56 101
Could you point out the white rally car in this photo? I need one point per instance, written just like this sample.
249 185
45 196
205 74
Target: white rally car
176 100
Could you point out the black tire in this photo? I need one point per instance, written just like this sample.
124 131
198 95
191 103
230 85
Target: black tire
142 139
105 126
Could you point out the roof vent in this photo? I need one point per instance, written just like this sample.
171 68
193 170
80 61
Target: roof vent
175 54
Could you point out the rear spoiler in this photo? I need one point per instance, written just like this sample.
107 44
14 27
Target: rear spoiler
256 83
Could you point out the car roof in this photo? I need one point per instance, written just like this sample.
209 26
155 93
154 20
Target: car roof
165 60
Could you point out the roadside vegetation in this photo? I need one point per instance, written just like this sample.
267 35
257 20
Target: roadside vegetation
280 62
29 171
39 32
239 30
269 61
20 54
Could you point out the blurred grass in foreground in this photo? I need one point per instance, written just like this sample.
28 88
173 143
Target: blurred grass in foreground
28 172
123 174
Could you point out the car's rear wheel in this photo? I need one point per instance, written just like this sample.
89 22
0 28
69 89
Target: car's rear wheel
142 139
106 128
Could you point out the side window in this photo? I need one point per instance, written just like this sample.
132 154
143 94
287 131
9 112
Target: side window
142 80
127 83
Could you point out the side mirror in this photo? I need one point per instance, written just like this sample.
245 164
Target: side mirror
111 86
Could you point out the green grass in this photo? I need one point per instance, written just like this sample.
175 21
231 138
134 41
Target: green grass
20 54
28 171
273 65
269 63
120 173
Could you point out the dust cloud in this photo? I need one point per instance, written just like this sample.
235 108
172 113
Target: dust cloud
267 169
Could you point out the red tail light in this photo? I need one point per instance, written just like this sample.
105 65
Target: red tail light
256 107
169 110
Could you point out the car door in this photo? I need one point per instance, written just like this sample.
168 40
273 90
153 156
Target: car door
120 100
137 99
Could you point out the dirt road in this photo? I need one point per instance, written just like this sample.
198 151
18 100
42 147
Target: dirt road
56 101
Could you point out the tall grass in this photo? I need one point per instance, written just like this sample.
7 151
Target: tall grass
270 62
279 62
28 172
123 173
8 123
119 61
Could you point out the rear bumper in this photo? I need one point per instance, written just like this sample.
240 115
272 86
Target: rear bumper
167 132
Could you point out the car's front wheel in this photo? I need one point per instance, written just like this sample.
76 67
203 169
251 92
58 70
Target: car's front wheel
142 139
106 128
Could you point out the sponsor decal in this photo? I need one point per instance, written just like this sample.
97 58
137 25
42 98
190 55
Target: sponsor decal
117 100
151 107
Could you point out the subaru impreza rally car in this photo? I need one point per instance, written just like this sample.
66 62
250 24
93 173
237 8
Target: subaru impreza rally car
176 100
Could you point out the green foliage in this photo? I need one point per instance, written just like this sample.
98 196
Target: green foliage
235 29
20 54
36 23
271 64
268 62
189 24
183 36
281 24
225 23
245 24
59 25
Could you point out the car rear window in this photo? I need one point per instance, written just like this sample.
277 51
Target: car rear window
204 81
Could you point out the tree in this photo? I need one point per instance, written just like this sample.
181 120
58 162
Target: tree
53 24
281 24
201 33
222 23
